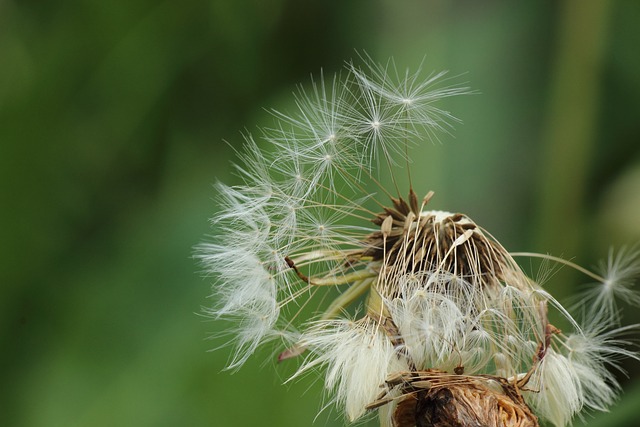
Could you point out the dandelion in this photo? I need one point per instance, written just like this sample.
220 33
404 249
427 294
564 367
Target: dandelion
417 314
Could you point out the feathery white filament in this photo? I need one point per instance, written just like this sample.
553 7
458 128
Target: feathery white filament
619 273
358 358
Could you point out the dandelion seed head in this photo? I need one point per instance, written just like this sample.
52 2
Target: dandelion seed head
398 304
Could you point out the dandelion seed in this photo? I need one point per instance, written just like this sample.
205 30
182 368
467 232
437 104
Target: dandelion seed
618 276
433 321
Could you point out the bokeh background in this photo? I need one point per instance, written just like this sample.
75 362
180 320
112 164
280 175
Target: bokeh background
112 121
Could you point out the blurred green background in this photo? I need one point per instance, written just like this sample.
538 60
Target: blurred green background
112 121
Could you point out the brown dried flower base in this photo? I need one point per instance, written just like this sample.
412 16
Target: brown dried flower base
438 399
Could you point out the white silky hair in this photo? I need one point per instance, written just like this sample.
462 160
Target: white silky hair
557 391
358 358
449 323
576 372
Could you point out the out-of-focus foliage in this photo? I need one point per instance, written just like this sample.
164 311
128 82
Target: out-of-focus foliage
112 120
